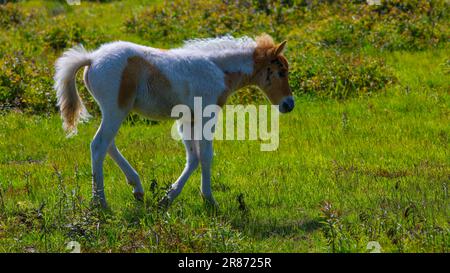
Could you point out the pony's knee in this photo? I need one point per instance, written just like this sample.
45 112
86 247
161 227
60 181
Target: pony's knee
98 149
192 159
192 162
96 144
206 157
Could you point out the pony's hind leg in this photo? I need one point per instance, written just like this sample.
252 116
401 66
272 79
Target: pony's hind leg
130 173
99 147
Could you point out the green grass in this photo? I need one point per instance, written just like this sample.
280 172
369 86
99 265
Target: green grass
345 173
368 168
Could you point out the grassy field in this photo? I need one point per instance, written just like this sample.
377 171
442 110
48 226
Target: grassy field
348 171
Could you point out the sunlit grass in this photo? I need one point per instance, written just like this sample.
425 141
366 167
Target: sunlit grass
381 162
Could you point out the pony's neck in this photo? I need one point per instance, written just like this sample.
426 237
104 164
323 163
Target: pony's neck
235 61
238 67
233 82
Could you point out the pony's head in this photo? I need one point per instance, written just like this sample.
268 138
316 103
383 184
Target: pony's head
271 71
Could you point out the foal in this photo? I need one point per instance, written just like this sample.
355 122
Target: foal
125 77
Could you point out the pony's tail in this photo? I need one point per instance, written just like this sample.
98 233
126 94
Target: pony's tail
70 105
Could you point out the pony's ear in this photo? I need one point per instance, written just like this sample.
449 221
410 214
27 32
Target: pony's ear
279 48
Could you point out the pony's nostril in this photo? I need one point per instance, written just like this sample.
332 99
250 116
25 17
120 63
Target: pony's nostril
291 103
287 105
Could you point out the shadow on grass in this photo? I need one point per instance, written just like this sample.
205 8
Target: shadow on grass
258 227
263 228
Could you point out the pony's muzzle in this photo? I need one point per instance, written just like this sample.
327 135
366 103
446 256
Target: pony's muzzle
286 105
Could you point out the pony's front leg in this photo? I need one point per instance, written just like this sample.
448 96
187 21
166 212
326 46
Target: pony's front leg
191 165
185 130
206 156
130 173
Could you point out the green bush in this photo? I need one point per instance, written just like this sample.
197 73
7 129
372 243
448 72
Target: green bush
11 84
10 15
393 25
175 21
62 35
335 75
25 85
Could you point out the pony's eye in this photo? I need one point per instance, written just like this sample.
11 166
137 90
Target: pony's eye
282 74
276 61
269 73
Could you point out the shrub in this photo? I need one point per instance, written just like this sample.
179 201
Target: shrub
62 35
335 75
10 15
11 83
24 84
178 20
393 25
57 38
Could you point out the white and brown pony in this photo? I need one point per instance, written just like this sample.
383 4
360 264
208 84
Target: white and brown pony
125 77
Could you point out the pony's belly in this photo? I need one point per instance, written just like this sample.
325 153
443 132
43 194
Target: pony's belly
156 103
154 107
152 110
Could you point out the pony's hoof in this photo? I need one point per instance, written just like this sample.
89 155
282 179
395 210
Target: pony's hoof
138 196
164 204
210 202
212 207
99 203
